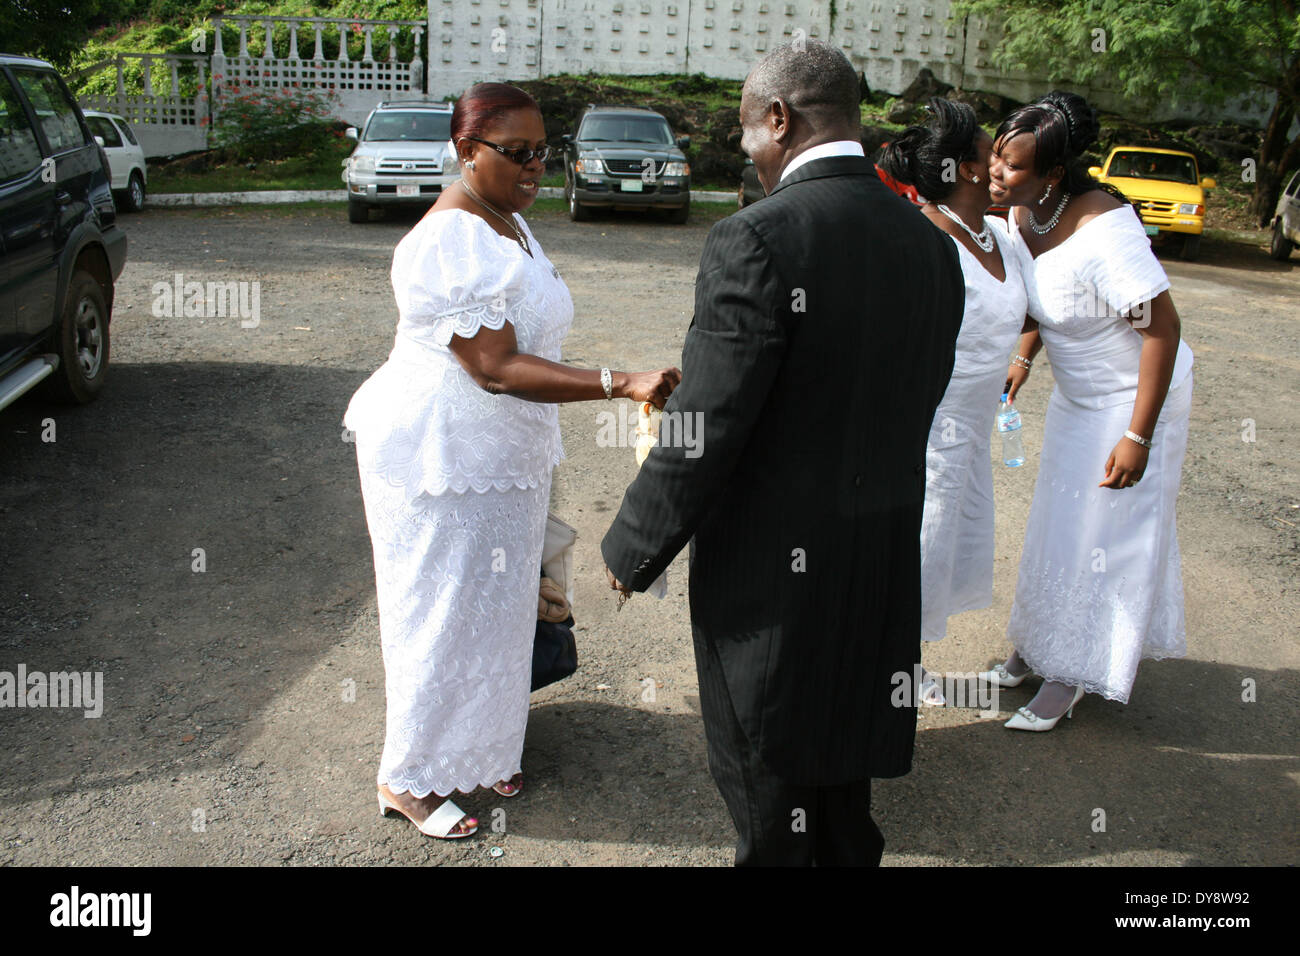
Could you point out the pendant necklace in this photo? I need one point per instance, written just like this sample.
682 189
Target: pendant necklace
983 239
519 236
1046 227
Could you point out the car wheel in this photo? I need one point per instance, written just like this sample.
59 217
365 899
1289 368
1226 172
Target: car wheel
1280 247
82 343
577 211
358 211
134 193
1191 248
680 214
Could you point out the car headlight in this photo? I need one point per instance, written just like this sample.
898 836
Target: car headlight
589 165
1191 209
677 169
363 164
451 163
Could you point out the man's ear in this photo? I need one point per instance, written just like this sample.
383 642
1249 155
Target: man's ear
778 119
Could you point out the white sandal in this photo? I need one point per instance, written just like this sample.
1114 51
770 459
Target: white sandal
438 824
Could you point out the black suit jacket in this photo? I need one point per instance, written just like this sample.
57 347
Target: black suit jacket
825 322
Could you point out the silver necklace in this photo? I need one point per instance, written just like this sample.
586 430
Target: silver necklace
519 236
984 239
1045 228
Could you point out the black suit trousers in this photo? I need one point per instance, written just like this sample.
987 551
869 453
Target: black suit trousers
779 824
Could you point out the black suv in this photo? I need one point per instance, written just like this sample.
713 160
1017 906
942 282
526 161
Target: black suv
626 156
60 247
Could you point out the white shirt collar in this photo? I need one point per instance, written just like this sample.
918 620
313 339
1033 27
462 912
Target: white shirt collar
841 147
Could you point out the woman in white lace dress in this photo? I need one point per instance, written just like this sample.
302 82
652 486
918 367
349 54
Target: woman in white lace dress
947 160
456 436
1100 584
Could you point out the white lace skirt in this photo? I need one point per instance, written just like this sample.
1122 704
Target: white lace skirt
456 577
1100 585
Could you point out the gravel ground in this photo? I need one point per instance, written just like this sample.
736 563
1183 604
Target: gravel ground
228 735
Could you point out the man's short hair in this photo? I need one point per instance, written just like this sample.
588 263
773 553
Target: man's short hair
813 77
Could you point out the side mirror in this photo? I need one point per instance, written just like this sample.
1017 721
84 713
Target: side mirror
566 139
1094 172
683 142
350 132
100 141
1208 183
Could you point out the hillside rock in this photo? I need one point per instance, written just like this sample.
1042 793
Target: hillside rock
925 86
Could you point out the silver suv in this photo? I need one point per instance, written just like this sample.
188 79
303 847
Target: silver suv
1286 221
403 156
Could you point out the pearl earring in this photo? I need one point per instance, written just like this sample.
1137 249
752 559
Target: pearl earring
1047 193
469 164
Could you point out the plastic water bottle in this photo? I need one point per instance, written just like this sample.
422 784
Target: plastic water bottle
1013 451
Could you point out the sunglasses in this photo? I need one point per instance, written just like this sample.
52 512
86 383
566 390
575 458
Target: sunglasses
520 156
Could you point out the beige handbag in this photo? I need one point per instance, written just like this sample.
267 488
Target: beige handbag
557 570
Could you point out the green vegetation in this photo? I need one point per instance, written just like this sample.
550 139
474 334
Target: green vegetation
703 92
278 123
104 28
319 170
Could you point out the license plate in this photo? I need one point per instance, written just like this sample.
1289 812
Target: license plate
631 185
1152 230
408 189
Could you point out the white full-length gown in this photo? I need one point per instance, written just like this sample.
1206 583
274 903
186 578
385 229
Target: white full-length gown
456 482
957 524
1100 583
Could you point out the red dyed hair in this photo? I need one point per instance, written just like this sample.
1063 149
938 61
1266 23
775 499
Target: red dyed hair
483 104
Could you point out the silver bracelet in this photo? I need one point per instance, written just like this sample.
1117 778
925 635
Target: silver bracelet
1022 361
1133 436
607 383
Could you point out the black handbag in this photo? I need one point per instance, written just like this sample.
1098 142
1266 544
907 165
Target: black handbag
555 652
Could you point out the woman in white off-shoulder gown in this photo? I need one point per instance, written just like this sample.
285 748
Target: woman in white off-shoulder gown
947 160
1100 586
456 435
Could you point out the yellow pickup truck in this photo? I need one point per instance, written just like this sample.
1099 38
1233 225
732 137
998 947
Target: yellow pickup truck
1167 188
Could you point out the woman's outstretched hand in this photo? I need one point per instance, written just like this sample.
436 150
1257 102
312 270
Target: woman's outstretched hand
653 387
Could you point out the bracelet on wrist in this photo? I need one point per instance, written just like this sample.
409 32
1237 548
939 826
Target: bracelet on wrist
607 383
1134 436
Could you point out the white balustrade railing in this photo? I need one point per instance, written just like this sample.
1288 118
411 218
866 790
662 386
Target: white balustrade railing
356 84
167 104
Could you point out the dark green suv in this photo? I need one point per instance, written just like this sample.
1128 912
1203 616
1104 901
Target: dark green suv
626 157
60 246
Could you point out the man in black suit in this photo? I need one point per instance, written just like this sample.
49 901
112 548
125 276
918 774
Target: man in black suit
825 321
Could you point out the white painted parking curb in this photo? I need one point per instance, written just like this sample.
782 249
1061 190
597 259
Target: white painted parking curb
341 195
252 196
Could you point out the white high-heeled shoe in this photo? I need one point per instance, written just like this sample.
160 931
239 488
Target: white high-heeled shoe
1026 719
438 824
930 693
1001 677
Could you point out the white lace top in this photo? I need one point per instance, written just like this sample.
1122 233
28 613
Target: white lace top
1080 291
421 421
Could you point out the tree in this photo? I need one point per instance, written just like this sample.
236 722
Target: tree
1181 51
54 30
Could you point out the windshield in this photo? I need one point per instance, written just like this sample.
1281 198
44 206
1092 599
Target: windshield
1139 165
422 126
627 129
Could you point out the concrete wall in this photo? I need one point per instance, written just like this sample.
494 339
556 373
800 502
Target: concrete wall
888 40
